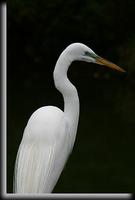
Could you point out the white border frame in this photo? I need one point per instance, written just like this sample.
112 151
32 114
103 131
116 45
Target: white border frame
4 136
3 105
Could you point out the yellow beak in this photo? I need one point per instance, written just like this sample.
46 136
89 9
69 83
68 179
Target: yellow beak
102 61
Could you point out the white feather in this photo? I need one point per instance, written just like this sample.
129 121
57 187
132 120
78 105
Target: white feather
41 157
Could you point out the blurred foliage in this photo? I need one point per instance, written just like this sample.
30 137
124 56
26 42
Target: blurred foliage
38 31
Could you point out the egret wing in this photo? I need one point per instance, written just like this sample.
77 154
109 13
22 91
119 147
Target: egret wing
32 167
39 163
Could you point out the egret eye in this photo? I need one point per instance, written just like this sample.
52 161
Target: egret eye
90 54
86 53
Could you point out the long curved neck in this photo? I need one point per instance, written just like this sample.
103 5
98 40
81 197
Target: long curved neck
68 90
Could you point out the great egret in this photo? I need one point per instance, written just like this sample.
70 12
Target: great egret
50 133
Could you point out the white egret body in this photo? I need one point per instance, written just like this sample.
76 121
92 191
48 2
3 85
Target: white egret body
50 133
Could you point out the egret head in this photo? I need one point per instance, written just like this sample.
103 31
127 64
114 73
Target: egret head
79 51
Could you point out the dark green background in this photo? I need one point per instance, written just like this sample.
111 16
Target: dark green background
103 158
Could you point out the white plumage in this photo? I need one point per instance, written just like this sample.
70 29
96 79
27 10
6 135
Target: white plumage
44 154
